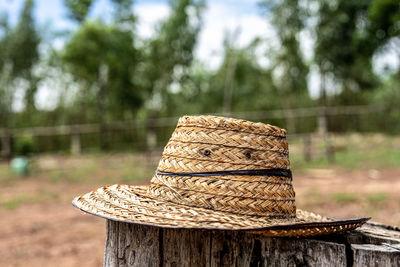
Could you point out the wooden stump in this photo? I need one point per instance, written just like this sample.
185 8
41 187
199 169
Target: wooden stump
138 245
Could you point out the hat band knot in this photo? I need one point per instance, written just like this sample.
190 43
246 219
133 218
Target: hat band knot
260 192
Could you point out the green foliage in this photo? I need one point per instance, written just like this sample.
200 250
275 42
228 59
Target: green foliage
389 94
169 55
123 12
252 84
20 44
78 9
18 55
384 16
290 69
288 18
342 48
95 45
6 95
198 91
24 145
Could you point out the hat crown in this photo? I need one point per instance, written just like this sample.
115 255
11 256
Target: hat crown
214 144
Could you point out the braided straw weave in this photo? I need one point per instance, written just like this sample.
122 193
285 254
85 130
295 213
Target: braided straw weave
259 203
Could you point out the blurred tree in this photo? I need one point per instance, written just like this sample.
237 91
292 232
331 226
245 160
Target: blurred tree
289 66
389 96
229 65
5 67
198 90
341 26
78 9
169 54
348 34
19 54
384 22
251 84
6 95
123 14
103 58
21 44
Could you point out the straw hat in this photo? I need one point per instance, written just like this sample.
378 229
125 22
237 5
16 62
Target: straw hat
217 173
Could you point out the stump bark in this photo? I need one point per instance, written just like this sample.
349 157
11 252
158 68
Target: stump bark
137 245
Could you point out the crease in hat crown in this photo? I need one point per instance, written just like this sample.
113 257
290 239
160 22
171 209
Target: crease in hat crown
210 144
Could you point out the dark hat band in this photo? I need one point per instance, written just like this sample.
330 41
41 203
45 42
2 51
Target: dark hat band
260 172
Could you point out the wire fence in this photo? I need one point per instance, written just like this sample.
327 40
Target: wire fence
152 133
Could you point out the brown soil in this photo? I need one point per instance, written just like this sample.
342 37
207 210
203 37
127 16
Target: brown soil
48 231
361 193
51 233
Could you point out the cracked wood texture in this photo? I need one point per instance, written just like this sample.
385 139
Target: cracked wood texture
138 245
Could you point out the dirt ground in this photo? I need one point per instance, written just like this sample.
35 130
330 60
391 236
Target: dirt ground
44 229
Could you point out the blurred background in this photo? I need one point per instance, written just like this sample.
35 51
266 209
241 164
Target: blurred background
90 91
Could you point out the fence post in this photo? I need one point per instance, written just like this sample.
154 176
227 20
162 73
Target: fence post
307 147
75 144
151 136
323 131
5 143
151 141
329 152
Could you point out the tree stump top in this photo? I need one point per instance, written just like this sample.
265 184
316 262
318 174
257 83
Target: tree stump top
137 245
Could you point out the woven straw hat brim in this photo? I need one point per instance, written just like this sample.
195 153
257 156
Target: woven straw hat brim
133 204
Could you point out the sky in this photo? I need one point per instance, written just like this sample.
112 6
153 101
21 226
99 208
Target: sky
220 16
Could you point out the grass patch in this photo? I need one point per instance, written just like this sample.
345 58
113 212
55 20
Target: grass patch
135 177
381 157
314 198
344 197
74 175
40 197
13 203
351 160
98 173
5 177
133 174
102 169
3 169
364 153
377 198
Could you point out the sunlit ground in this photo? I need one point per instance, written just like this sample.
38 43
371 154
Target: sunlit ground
41 228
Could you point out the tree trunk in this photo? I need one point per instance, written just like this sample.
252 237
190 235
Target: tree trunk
229 82
138 245
103 76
